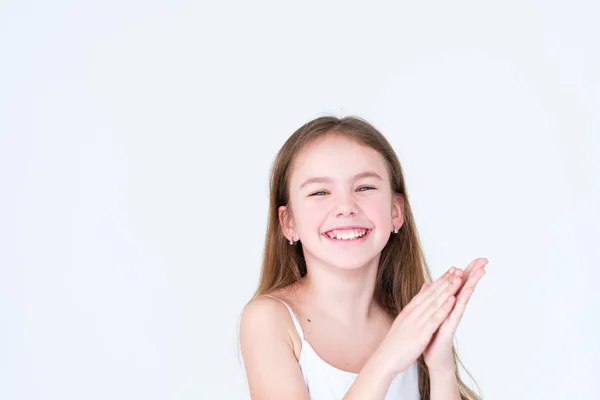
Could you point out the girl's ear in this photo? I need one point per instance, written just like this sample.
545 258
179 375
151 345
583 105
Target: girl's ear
286 221
398 211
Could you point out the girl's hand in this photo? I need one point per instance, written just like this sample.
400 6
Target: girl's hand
413 328
438 354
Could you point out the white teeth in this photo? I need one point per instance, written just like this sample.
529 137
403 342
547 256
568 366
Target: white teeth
346 235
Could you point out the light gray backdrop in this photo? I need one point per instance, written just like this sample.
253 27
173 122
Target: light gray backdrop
135 143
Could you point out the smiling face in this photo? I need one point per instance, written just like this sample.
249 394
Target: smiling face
341 200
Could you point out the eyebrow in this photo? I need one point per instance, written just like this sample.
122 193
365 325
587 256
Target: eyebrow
324 179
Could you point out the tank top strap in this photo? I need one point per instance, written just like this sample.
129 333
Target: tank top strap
294 318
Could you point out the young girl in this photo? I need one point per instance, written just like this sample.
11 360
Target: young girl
343 310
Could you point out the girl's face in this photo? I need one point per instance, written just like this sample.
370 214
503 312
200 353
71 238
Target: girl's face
342 204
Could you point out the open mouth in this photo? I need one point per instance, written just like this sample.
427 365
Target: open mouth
348 235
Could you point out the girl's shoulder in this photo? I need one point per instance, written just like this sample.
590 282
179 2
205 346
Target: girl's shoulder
275 299
267 319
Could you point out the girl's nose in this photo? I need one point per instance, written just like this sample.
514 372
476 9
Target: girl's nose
345 206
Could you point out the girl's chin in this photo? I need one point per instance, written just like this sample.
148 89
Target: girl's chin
349 259
350 264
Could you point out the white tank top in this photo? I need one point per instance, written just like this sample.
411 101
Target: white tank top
326 382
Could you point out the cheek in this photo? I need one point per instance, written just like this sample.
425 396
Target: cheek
313 214
377 208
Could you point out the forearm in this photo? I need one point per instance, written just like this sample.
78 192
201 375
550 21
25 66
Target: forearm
444 385
373 381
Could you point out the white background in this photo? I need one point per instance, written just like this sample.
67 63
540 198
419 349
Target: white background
135 144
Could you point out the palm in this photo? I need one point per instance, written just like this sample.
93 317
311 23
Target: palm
438 353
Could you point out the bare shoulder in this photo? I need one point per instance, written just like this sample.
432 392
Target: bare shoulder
264 315
268 351
268 315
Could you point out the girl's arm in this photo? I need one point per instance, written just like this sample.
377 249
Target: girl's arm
444 386
267 349
374 379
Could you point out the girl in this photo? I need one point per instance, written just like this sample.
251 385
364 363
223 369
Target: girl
344 309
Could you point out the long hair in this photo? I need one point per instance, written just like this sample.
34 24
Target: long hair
402 266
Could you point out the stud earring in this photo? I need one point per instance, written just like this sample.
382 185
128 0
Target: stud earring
395 229
291 241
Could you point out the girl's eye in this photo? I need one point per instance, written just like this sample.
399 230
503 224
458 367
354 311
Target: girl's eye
360 189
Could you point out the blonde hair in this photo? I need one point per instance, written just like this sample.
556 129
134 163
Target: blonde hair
402 267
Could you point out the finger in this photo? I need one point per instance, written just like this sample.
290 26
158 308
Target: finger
438 298
474 266
462 298
472 270
439 316
428 288
471 265
451 323
472 280
432 291
476 263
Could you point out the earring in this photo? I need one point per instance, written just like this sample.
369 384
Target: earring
291 241
395 229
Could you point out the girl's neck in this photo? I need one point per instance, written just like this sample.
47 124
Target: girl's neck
345 295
